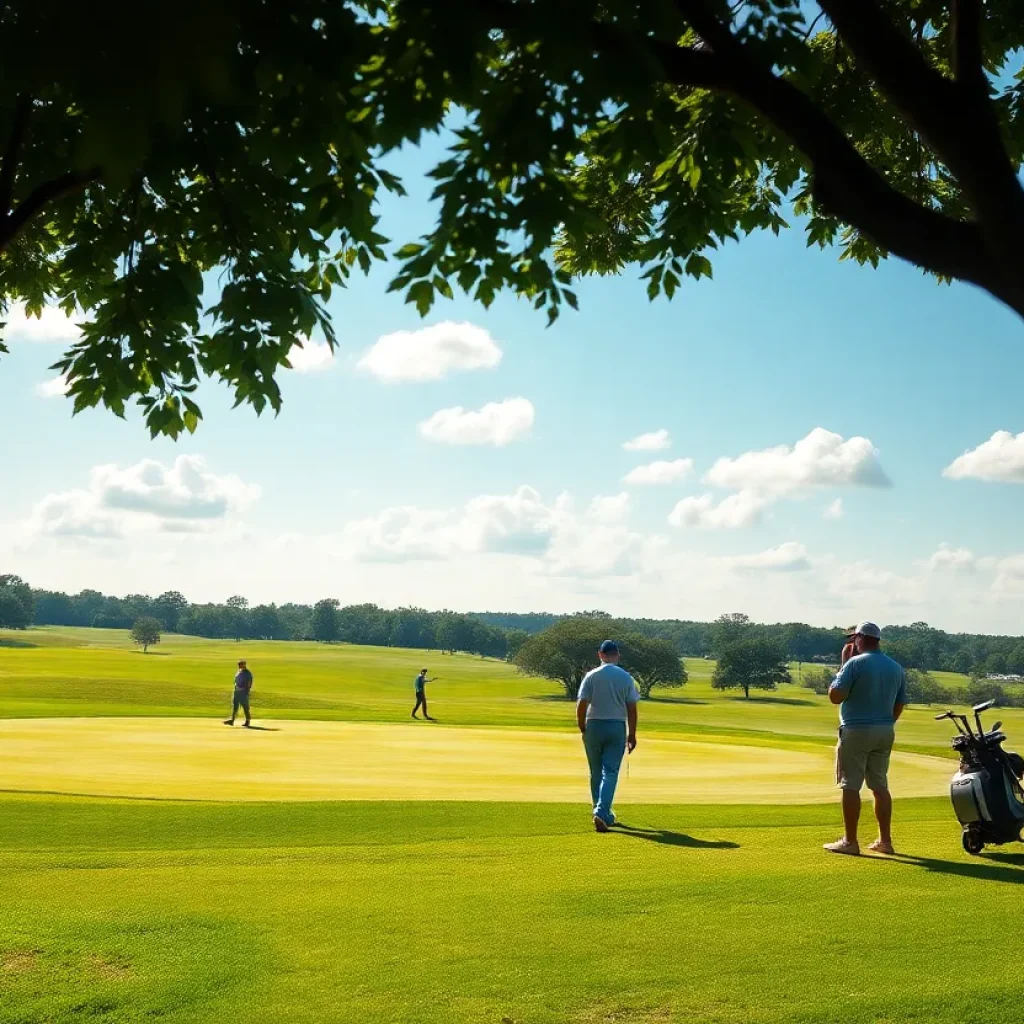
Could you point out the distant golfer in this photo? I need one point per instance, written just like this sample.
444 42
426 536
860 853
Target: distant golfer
421 695
871 691
606 715
240 698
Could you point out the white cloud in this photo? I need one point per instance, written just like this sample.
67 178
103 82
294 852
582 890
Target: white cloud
51 326
745 508
431 353
999 459
497 423
1009 579
53 388
556 537
311 356
398 534
788 557
518 523
661 472
834 510
956 560
862 586
609 509
820 459
182 498
654 441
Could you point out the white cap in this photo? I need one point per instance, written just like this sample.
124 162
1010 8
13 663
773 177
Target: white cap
869 629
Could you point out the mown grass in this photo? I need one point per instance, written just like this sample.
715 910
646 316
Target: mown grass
118 911
485 912
97 672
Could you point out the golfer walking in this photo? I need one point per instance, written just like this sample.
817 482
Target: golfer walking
606 715
421 695
871 691
240 698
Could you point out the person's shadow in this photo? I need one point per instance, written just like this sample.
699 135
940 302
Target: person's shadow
260 728
667 838
989 867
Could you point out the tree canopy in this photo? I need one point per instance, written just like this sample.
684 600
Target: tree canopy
752 663
652 662
567 651
146 633
17 603
252 139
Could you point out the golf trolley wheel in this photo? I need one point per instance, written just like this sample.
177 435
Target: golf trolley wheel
973 843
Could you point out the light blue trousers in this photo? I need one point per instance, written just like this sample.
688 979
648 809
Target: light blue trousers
605 743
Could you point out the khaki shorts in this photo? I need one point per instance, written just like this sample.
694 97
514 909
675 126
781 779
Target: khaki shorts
862 755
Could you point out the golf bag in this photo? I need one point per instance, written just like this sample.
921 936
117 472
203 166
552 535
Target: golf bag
986 792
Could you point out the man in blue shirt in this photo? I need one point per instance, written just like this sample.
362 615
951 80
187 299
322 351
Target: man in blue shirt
606 716
871 691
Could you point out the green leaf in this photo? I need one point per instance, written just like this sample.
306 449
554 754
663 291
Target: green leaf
409 250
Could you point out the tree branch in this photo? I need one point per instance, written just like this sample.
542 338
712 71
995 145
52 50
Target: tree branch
48 192
959 124
844 182
968 56
849 186
896 64
22 109
716 33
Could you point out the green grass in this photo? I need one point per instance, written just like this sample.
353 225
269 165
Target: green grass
97 672
117 911
469 912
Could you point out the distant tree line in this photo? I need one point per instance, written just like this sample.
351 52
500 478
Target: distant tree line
236 619
924 688
494 634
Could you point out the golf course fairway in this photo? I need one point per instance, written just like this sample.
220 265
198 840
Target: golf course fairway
192 759
342 864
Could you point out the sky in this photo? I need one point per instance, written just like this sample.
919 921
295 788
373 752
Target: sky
797 439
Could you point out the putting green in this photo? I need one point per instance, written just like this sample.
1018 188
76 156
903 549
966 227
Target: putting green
192 759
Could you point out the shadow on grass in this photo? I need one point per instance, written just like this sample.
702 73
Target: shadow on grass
155 654
673 700
666 838
994 867
11 642
793 701
261 728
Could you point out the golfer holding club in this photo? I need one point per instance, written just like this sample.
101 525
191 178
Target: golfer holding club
871 691
606 716
421 695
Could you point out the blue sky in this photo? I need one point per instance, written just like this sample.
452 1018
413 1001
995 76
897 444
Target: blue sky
342 495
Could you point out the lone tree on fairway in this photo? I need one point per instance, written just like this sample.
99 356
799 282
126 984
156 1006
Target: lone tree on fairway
146 633
753 663
249 145
652 662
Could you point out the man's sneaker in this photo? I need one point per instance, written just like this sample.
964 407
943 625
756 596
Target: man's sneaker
879 847
600 825
843 846
229 721
247 725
